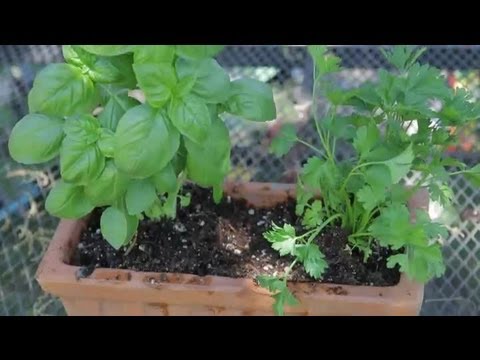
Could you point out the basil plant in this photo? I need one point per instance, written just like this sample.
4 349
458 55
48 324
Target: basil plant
131 154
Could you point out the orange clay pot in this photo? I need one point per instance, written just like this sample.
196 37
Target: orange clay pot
125 292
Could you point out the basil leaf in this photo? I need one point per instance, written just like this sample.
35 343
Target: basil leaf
80 163
252 100
67 201
209 163
145 142
190 115
179 161
165 180
184 86
155 54
75 55
155 211
36 139
114 70
108 50
84 128
110 185
212 82
140 196
81 159
116 107
157 80
117 227
198 51
62 90
106 143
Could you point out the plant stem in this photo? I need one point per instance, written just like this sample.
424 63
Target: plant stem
365 220
327 206
459 172
323 138
330 148
354 217
349 218
314 93
360 235
289 269
321 227
134 241
307 234
408 127
311 147
325 143
352 172
320 134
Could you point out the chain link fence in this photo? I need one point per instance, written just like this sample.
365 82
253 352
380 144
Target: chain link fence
25 227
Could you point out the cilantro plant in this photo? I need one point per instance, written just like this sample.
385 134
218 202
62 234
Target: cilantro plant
399 124
131 157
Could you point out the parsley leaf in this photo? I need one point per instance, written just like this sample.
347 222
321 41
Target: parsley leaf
313 260
459 108
400 165
426 83
422 260
271 283
325 63
313 215
378 176
393 227
441 192
432 229
367 137
473 175
303 197
370 197
312 172
342 127
282 239
284 141
420 264
283 296
402 57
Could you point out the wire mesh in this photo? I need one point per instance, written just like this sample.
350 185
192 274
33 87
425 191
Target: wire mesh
25 227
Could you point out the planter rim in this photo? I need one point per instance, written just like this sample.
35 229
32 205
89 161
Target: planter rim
57 276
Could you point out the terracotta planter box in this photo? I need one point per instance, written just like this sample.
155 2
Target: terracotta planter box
124 292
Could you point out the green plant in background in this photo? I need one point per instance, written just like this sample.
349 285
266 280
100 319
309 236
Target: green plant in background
127 156
394 129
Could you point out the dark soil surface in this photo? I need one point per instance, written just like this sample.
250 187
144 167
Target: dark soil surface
226 240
